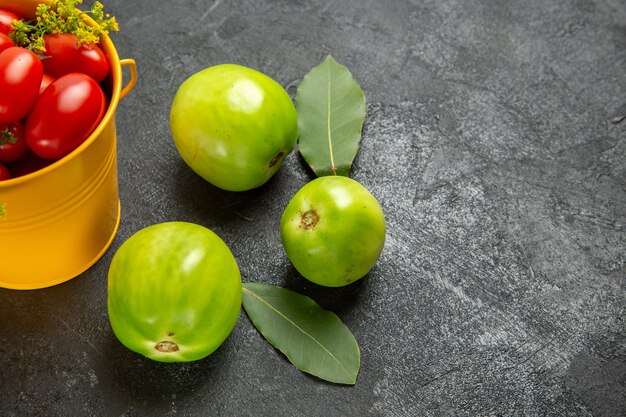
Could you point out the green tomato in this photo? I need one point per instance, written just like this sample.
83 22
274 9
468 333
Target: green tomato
333 231
233 126
174 292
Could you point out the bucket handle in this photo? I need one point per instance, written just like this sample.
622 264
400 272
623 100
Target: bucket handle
130 63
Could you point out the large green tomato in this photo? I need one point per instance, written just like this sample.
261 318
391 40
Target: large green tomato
333 231
233 126
174 292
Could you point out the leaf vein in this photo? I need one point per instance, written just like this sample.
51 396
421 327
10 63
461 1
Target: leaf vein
330 141
297 327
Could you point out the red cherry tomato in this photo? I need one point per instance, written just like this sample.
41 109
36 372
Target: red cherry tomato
20 77
12 142
4 173
5 42
64 115
27 164
65 56
45 82
6 18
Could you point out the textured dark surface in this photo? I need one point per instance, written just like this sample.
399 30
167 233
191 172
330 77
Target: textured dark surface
488 142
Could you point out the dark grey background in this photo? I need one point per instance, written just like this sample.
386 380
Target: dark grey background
488 142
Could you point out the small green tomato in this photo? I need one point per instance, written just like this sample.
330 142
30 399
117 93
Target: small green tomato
233 126
174 292
333 231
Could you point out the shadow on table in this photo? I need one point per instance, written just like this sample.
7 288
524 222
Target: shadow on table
147 385
341 301
199 200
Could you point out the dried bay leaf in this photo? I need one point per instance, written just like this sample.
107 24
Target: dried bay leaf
331 110
315 340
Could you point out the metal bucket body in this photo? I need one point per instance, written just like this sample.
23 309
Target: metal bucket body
57 222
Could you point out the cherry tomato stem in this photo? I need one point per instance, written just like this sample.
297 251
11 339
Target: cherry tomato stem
12 142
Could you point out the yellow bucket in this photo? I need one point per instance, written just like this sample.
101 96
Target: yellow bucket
57 222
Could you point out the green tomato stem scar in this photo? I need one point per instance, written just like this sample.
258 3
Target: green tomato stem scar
3 210
166 346
277 158
309 220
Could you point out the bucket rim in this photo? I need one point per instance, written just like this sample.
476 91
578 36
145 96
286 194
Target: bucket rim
116 86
